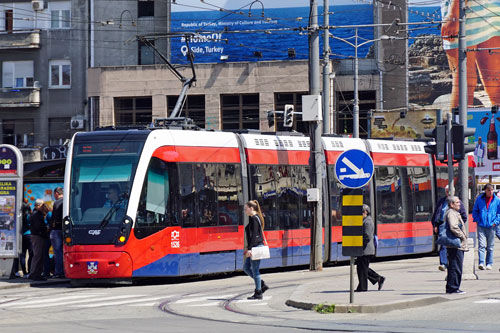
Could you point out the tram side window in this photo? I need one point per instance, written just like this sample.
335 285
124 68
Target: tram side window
188 195
288 202
206 185
335 198
407 190
264 191
421 180
230 194
155 211
388 194
302 183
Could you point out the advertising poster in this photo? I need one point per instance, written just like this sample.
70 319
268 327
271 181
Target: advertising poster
8 191
238 30
412 126
42 191
486 156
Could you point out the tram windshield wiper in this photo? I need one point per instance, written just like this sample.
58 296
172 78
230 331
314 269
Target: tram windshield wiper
114 208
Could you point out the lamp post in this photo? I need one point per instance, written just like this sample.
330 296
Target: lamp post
356 69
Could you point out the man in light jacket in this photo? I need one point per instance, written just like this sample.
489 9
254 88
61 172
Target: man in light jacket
486 213
455 255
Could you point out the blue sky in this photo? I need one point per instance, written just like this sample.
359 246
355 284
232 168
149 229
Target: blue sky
183 5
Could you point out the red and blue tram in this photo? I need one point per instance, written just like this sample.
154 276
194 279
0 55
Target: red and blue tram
168 202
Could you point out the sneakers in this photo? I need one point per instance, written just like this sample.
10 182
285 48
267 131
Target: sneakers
381 281
458 291
257 295
488 267
481 267
442 267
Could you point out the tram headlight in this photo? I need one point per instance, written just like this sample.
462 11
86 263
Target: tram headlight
121 239
68 240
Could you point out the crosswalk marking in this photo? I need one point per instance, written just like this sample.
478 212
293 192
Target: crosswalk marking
200 299
489 301
265 298
46 302
206 304
97 304
93 301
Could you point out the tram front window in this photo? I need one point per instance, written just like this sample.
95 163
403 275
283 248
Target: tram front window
100 187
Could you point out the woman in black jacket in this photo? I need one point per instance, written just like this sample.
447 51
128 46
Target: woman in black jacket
255 237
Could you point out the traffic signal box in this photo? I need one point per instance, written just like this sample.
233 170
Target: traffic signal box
352 222
288 116
457 134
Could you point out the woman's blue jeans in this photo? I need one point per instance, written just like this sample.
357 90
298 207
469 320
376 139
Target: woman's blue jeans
251 268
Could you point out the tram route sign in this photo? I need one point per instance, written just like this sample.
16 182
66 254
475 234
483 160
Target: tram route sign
354 168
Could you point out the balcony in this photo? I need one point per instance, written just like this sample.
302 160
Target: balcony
21 39
19 97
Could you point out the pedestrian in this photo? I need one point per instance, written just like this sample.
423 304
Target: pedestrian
26 240
365 273
438 218
485 214
254 232
38 237
456 225
56 232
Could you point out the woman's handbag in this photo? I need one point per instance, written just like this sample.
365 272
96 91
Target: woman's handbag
446 237
261 251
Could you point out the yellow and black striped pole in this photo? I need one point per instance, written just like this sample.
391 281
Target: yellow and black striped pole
352 222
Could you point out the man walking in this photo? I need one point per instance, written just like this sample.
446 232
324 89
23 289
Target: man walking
486 214
56 232
38 237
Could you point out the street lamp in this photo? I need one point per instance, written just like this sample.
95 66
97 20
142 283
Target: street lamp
356 97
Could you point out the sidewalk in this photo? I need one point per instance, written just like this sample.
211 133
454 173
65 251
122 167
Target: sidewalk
6 283
409 283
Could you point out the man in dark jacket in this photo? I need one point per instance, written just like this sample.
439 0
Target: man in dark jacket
365 273
438 218
38 238
56 232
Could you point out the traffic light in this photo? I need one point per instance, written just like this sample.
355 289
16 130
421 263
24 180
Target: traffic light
439 149
270 118
288 116
459 134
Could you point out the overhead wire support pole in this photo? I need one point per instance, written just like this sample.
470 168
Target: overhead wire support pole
326 68
316 262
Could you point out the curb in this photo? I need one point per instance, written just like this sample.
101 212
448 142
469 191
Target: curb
378 308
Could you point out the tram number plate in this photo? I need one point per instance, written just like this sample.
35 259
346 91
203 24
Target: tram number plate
174 239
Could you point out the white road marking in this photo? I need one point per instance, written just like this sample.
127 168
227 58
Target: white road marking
201 299
489 301
206 304
94 301
97 304
45 301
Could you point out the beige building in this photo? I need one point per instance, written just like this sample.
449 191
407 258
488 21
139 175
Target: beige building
226 96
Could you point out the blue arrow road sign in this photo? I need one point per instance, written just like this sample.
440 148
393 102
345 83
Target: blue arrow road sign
354 168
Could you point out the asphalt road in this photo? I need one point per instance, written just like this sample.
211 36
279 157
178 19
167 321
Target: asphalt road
220 305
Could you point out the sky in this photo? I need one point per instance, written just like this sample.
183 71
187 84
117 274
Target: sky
197 5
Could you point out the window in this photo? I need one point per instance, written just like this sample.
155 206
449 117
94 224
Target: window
94 112
280 99
146 8
59 130
9 20
194 108
240 111
60 19
345 107
388 192
60 74
18 132
156 204
421 185
133 110
146 55
17 74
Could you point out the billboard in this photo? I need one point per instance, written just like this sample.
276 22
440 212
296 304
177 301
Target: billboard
238 31
486 154
410 126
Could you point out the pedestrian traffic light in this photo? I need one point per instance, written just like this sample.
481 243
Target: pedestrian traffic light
270 118
439 149
459 134
288 116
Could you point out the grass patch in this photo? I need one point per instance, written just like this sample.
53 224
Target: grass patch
324 308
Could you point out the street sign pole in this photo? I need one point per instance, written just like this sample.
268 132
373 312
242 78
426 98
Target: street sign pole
353 169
